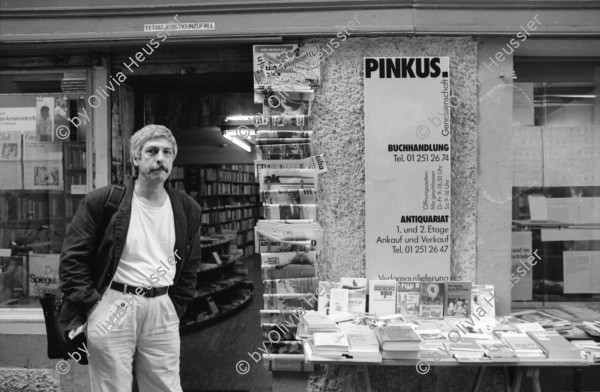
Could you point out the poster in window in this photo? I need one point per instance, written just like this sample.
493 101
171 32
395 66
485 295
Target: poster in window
44 126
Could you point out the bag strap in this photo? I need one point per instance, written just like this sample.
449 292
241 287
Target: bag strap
110 207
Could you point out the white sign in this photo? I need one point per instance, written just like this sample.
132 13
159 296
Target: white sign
407 159
172 26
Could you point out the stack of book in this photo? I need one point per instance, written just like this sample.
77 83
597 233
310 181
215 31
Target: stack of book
590 348
398 342
554 346
364 346
315 322
498 350
523 345
466 350
549 322
329 344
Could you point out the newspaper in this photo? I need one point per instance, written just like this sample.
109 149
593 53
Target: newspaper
265 243
291 122
290 140
313 162
284 258
283 134
290 211
286 67
289 196
283 151
283 179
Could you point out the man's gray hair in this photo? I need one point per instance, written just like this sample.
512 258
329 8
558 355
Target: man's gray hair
141 137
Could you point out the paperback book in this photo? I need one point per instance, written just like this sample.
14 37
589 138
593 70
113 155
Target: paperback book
289 271
289 301
483 302
323 293
458 299
408 298
357 294
290 211
338 301
382 297
432 300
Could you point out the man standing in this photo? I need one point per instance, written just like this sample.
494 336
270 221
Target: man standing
116 281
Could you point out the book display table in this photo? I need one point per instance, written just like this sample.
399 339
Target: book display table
524 368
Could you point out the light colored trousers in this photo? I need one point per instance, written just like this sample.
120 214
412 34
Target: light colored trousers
127 331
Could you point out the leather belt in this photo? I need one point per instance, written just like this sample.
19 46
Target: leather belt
150 293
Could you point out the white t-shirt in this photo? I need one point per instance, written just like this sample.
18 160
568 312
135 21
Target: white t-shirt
148 258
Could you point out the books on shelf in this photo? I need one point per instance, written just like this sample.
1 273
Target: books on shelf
382 297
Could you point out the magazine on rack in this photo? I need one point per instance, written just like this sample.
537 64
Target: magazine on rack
289 196
283 134
313 162
265 243
285 258
291 286
290 211
282 122
291 231
283 151
281 179
280 104
286 67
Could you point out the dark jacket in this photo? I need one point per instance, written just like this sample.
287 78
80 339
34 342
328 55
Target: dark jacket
84 277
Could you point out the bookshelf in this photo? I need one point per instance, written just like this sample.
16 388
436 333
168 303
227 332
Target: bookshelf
222 289
228 195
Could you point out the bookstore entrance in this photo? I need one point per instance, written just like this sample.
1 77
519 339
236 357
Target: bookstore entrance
219 175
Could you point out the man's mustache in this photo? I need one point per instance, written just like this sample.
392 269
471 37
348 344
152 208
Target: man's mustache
161 168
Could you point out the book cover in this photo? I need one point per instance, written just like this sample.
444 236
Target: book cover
483 302
291 286
458 299
43 273
432 300
338 300
382 297
408 298
523 345
554 345
323 292
357 294
398 338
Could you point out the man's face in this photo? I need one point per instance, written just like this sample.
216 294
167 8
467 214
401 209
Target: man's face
156 160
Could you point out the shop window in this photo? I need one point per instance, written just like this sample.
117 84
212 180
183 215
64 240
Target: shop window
556 182
44 177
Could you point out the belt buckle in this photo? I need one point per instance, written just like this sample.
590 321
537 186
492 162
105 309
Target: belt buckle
151 292
124 288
